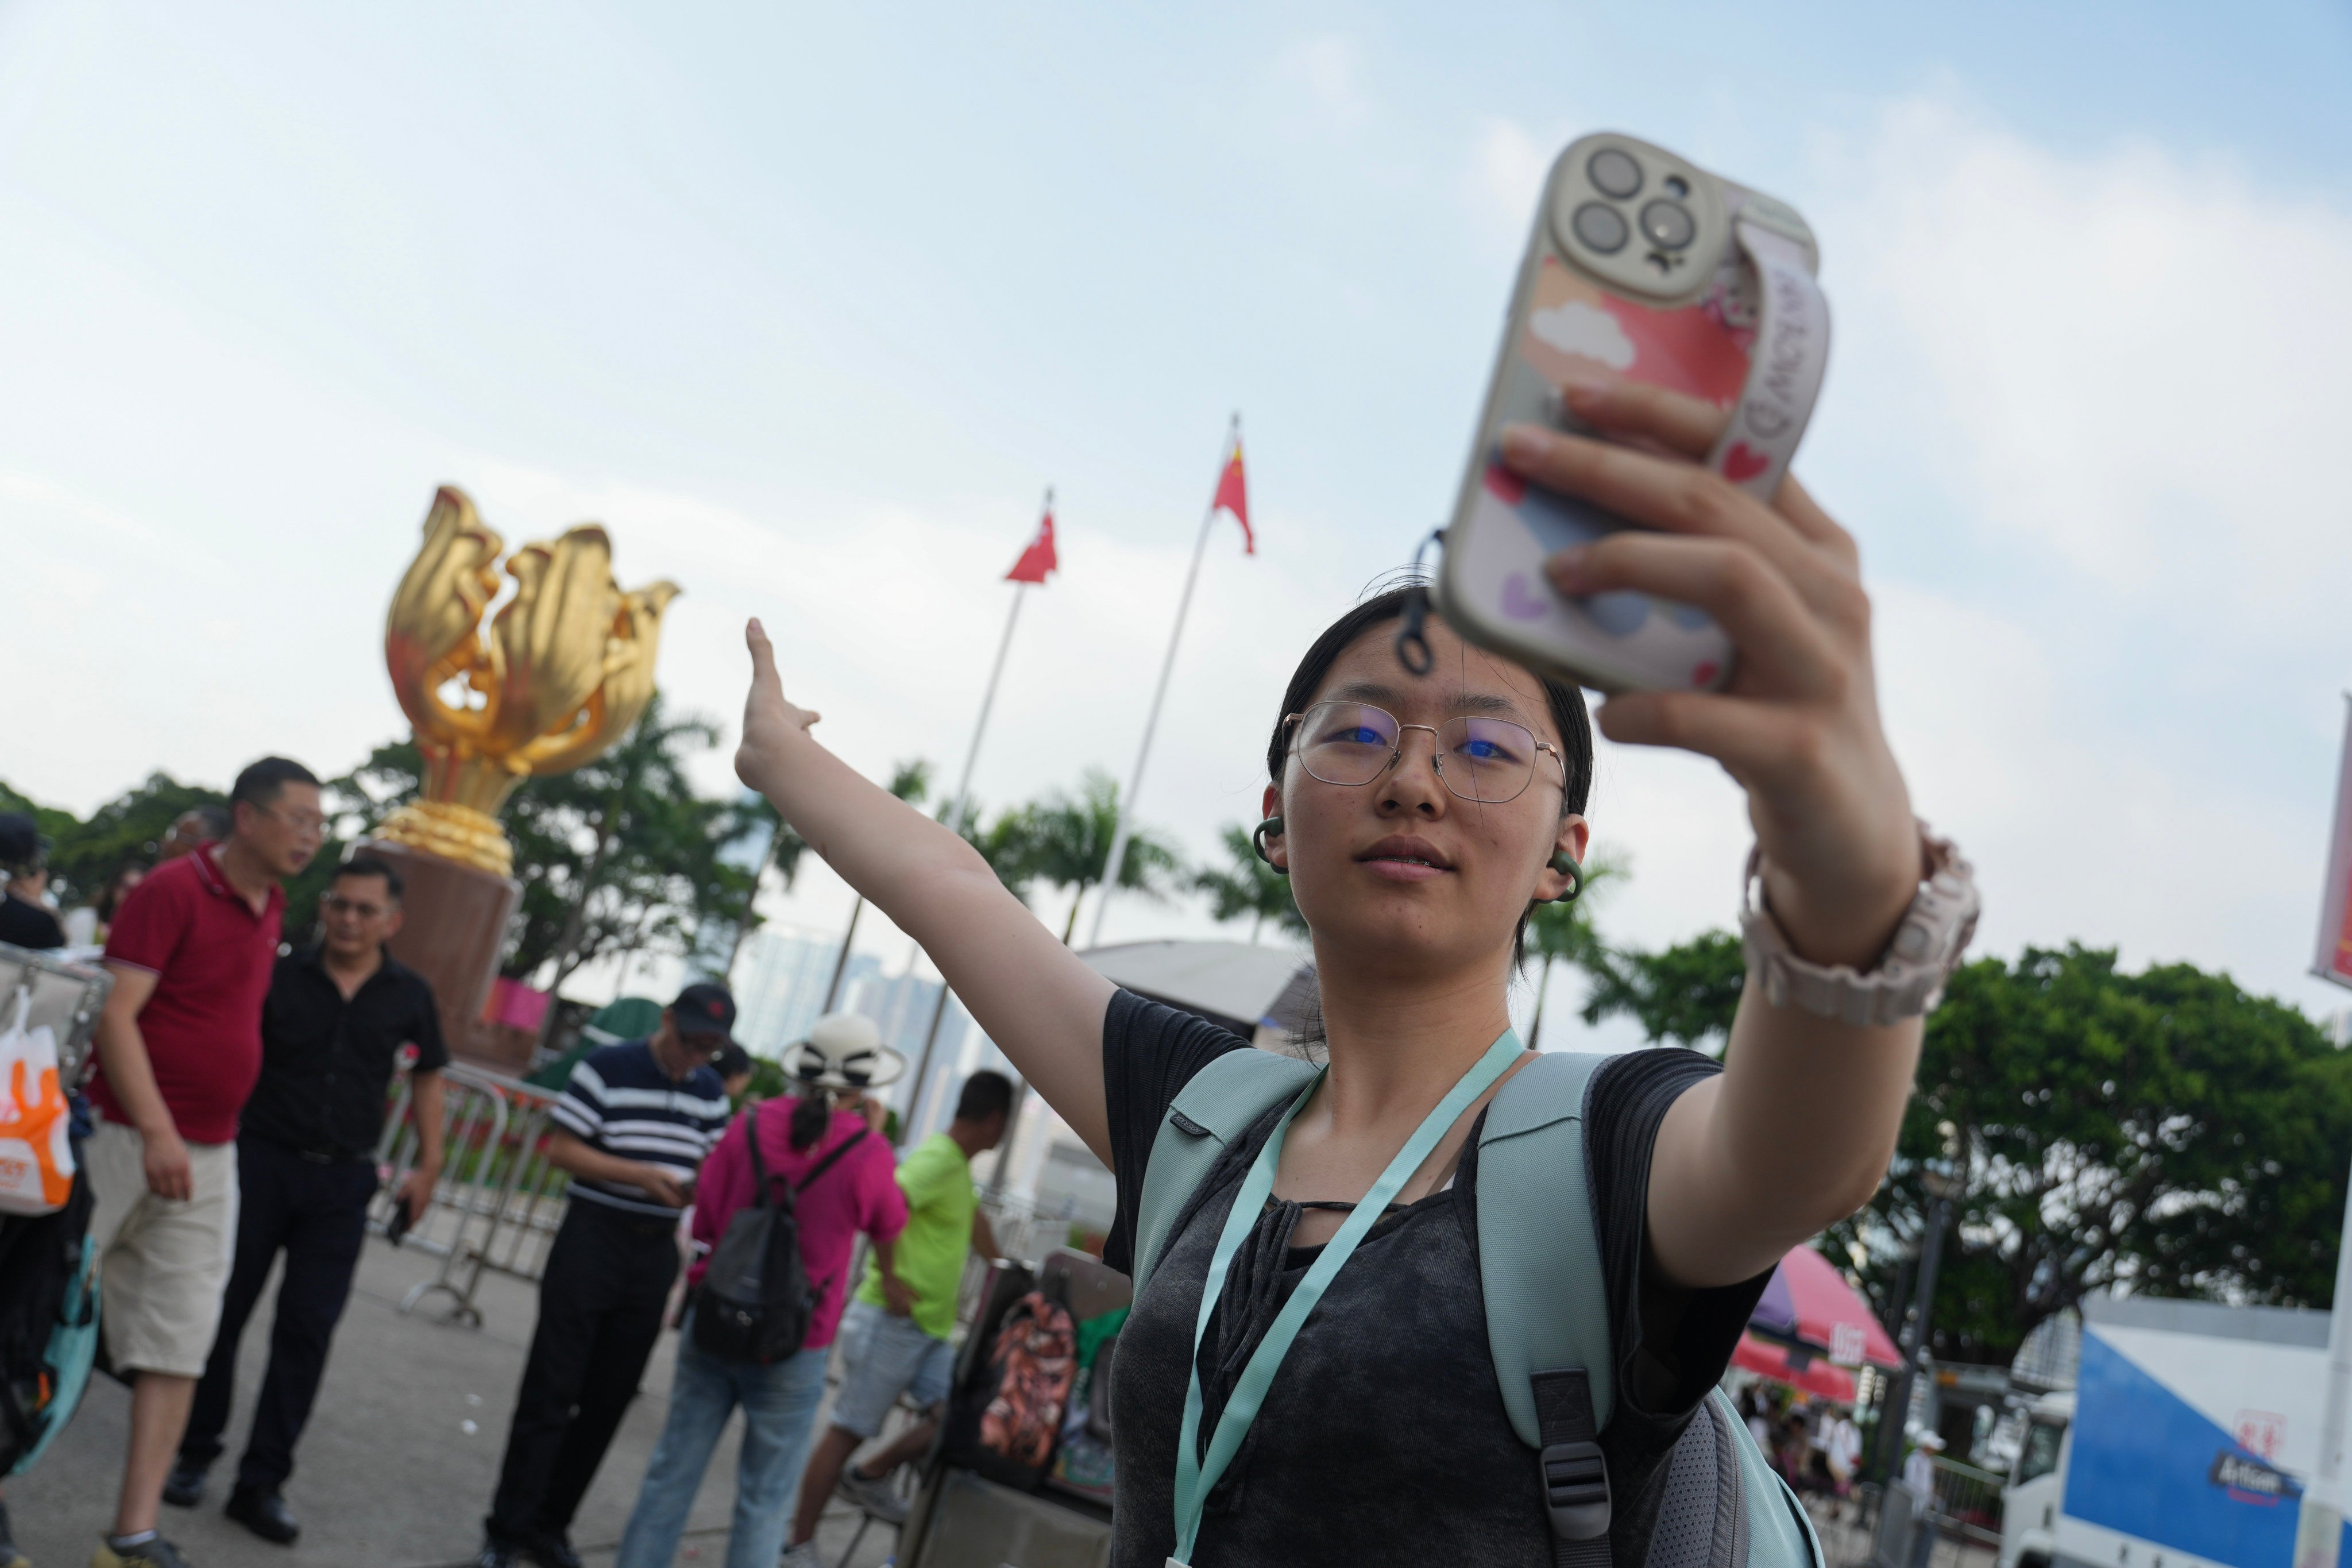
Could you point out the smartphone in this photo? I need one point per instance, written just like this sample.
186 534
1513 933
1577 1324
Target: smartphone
1643 266
395 1225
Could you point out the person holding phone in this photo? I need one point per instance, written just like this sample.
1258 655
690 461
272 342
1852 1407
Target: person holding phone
1382 1437
633 1127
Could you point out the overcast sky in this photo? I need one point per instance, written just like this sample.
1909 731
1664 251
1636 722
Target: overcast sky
810 304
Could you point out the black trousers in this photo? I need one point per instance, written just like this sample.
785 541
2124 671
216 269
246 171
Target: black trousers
317 1215
600 1312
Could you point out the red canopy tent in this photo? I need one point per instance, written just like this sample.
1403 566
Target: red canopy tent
1809 1303
1816 1376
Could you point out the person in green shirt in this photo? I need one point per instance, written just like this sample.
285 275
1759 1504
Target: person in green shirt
895 1335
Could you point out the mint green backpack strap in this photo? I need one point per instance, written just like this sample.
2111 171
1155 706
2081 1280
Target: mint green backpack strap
1224 1100
1547 1304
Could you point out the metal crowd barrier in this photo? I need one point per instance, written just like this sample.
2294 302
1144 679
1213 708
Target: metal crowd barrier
1895 1529
1968 1503
498 1200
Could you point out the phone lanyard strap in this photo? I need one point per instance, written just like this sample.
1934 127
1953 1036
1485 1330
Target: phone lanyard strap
1196 1476
1785 363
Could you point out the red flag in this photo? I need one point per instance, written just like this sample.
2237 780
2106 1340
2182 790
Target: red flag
1233 496
1039 558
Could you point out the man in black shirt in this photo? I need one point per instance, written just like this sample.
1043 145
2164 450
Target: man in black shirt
332 1030
25 920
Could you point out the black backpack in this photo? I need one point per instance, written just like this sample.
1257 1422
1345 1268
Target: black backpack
756 1301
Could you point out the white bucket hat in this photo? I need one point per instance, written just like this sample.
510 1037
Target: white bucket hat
845 1050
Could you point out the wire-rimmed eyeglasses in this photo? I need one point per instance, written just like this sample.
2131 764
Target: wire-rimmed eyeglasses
1489 760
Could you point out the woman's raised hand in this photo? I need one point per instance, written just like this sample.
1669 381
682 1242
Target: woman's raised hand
770 719
1798 725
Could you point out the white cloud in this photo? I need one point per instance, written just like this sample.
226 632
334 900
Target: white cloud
2138 359
2118 371
1331 69
1574 327
1506 176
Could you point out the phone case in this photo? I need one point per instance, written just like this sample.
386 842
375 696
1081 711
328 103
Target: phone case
1640 266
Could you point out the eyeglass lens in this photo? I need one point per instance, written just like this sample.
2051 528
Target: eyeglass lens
1485 759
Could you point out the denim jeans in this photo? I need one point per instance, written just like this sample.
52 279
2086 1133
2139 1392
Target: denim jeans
780 1405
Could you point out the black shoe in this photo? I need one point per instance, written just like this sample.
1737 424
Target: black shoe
493 1556
553 1550
261 1510
185 1486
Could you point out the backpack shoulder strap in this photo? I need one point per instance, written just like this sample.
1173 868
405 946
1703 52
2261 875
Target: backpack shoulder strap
1220 1104
1547 1301
1539 1261
821 1166
759 1165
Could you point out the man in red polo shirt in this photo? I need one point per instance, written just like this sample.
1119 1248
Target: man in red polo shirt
179 1049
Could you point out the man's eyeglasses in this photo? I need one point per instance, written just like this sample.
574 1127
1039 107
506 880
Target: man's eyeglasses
1489 760
335 904
310 823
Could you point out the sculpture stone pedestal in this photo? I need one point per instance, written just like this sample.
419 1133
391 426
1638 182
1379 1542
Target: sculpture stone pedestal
453 929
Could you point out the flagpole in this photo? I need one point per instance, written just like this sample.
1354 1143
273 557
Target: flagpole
954 819
1125 828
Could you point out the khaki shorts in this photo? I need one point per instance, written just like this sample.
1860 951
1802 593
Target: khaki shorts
163 1264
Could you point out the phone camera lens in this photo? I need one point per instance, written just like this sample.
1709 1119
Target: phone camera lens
1668 224
1676 186
1602 227
1614 173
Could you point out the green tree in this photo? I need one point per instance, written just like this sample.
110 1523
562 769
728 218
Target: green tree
1565 932
1687 993
2165 1132
750 818
910 782
1003 844
618 858
125 831
1064 840
1248 887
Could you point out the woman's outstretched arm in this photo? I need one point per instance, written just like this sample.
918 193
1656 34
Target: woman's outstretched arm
1797 1132
1035 999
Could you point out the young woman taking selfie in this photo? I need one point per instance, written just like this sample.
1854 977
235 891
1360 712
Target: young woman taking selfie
1419 820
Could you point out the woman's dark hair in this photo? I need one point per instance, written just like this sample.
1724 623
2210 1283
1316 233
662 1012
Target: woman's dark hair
1389 604
811 1117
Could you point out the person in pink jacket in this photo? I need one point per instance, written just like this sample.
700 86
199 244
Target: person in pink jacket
857 1193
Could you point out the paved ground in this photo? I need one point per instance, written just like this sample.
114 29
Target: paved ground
398 1463
1845 1545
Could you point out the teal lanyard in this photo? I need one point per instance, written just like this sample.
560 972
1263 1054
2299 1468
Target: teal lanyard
1195 1477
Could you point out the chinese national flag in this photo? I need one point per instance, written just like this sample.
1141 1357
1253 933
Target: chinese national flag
1039 558
1233 496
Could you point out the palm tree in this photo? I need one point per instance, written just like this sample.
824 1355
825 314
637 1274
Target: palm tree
1250 887
910 782
1065 839
1566 931
750 816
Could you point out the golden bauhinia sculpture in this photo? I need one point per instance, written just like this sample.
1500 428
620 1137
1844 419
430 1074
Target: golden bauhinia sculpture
563 669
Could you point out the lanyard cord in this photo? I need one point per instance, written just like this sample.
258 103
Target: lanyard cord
1196 1476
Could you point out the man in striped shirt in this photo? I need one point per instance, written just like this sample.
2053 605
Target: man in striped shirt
632 1128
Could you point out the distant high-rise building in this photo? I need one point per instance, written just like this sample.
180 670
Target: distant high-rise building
780 986
900 1006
